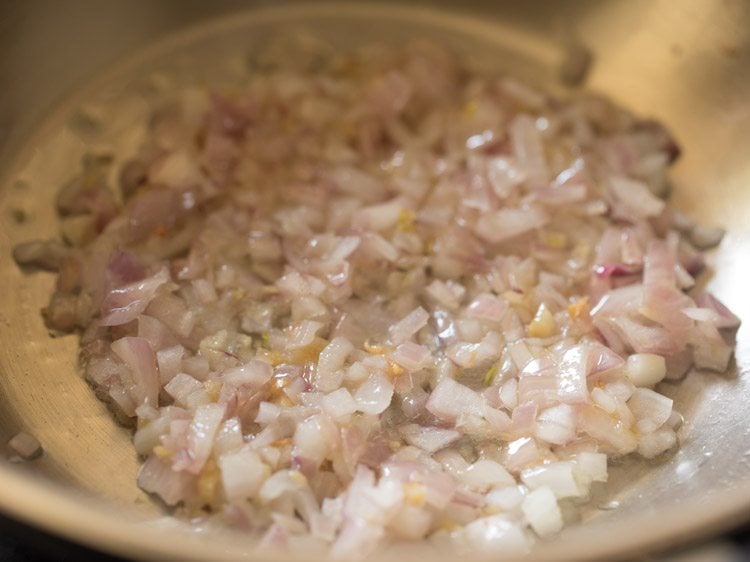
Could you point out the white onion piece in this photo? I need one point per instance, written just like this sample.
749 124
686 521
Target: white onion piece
508 223
701 314
556 425
339 403
651 445
203 430
380 217
447 294
590 467
303 333
157 477
229 438
25 445
496 535
149 435
485 474
408 325
542 512
267 413
313 438
181 387
141 359
254 374
507 499
242 474
727 319
379 247
374 395
412 356
650 408
559 477
487 307
330 362
450 400
411 523
572 373
529 150
705 237
429 439
169 361
636 197
604 400
646 369
614 435
123 304
280 483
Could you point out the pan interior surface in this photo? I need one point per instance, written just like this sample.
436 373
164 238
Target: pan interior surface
656 59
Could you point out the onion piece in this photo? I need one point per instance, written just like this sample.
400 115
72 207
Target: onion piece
140 358
25 445
242 474
408 326
450 401
558 477
542 512
646 369
374 395
124 304
430 439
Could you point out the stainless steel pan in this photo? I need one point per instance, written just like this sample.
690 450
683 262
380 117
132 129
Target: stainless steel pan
686 64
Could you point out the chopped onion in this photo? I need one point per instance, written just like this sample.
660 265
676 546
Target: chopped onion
25 445
242 474
646 369
650 408
355 303
558 477
409 325
374 395
542 512
450 401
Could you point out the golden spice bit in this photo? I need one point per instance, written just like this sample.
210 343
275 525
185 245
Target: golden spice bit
238 294
552 239
406 220
415 494
449 525
470 109
579 309
283 442
212 387
272 357
307 354
208 481
374 348
490 375
543 325
162 452
299 478
394 369
491 510
284 400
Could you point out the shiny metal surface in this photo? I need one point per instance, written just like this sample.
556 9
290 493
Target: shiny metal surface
686 64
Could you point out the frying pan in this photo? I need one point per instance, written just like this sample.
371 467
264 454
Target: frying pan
686 64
